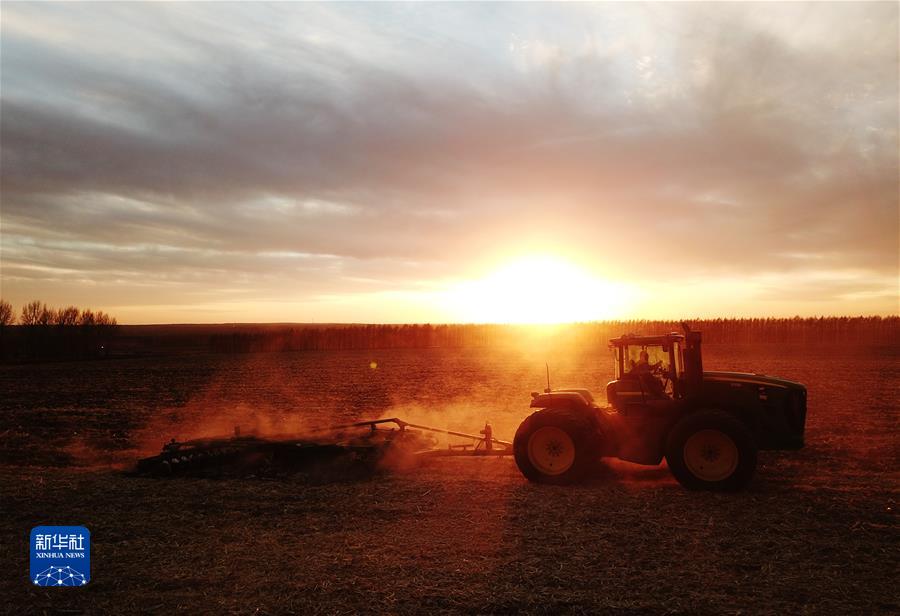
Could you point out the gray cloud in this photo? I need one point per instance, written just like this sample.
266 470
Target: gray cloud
190 144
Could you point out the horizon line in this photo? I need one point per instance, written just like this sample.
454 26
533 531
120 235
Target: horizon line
534 324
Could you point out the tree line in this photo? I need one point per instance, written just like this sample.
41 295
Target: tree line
806 331
44 332
39 313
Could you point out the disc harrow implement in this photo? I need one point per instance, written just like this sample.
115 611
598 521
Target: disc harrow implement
362 446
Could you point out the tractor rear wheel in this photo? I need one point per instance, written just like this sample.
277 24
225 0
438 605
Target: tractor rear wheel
556 446
711 450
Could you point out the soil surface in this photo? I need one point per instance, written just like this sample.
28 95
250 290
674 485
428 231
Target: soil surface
817 532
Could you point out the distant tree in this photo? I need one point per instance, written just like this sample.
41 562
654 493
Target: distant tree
47 316
87 318
66 316
104 320
7 317
33 312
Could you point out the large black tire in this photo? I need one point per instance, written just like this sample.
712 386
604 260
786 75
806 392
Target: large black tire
545 455
711 450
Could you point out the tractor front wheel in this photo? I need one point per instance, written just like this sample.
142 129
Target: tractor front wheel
711 450
556 446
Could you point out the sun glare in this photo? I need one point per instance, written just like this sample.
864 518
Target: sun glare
539 289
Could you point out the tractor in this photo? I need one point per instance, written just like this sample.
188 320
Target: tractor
662 404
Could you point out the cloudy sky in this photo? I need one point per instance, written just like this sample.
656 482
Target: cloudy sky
450 162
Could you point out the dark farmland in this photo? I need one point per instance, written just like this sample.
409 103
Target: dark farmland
817 532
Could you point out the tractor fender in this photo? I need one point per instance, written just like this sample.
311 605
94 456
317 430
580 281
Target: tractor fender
742 414
648 444
560 399
579 406
747 414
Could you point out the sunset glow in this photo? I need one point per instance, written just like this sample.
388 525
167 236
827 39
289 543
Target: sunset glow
539 289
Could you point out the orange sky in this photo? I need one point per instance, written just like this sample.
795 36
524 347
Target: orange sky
450 163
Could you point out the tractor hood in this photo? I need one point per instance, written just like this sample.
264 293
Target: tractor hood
753 379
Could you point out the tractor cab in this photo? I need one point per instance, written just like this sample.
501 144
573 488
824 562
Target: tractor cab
654 370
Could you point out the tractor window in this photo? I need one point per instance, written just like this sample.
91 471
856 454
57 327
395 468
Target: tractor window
655 353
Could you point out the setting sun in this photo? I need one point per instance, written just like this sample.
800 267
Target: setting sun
539 289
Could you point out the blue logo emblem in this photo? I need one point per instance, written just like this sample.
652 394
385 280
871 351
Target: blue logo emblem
60 555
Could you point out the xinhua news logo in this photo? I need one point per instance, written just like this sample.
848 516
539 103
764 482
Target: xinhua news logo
60 556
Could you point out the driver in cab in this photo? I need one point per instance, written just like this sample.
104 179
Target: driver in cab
643 365
645 372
